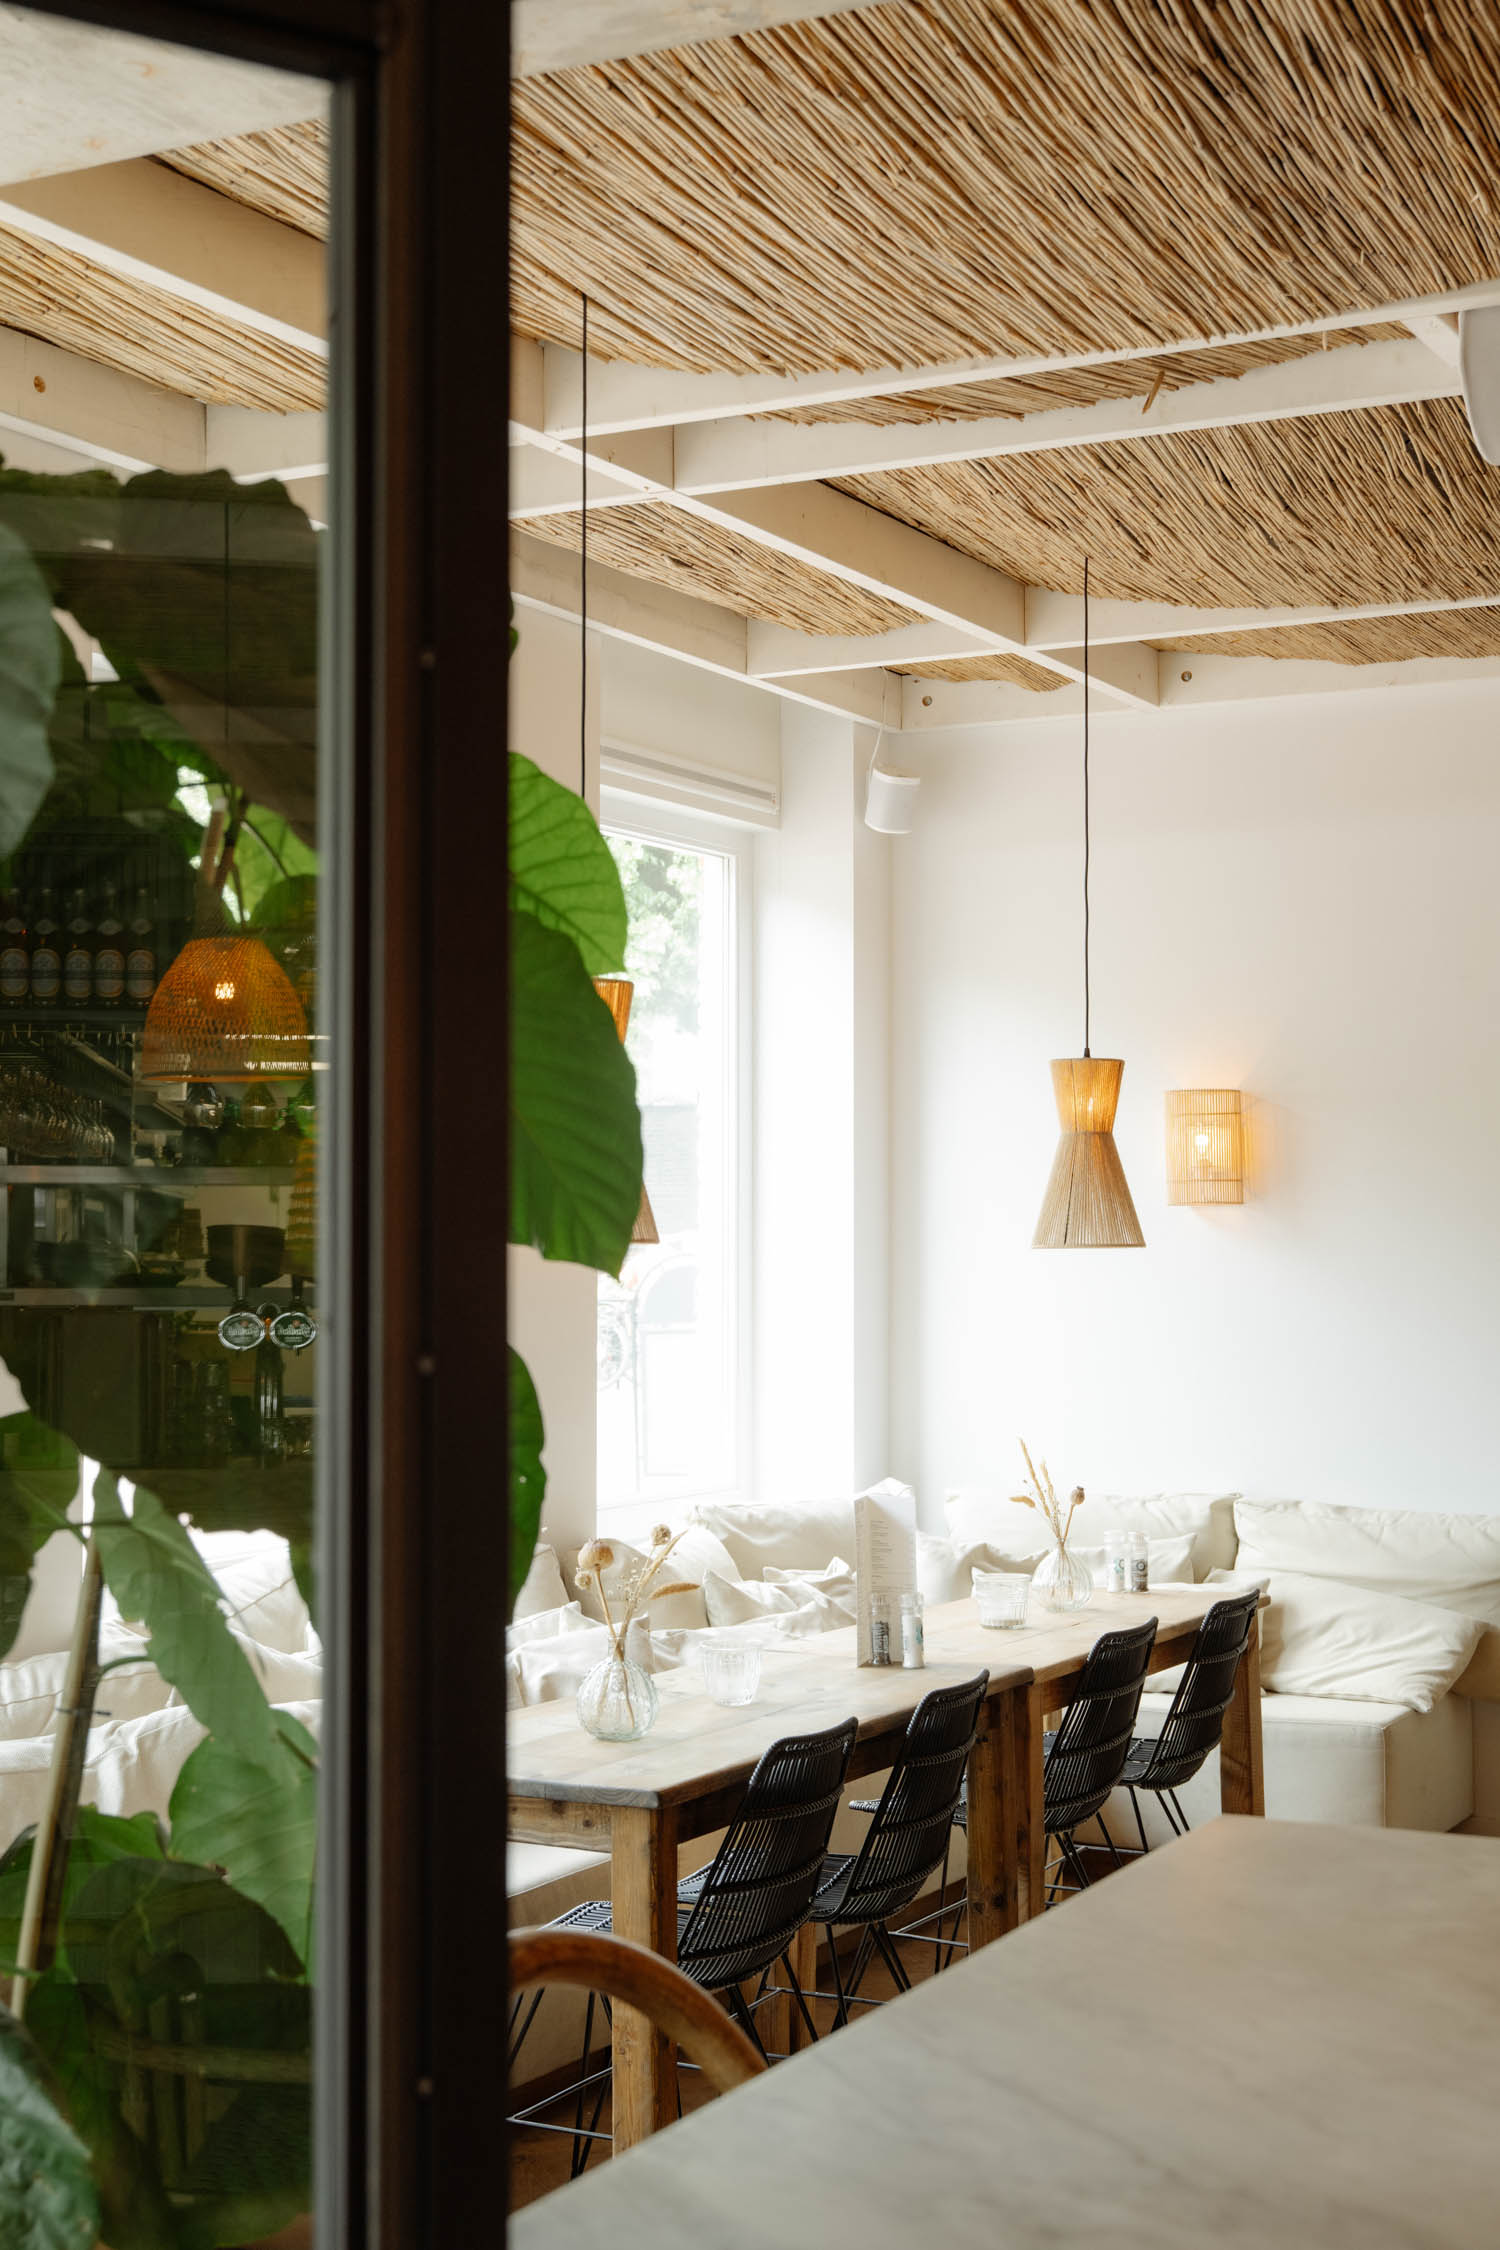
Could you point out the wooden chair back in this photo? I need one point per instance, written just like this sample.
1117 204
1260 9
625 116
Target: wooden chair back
640 1979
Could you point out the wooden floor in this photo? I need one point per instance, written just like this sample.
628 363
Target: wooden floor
539 2160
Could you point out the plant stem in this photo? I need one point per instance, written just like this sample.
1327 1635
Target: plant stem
54 1831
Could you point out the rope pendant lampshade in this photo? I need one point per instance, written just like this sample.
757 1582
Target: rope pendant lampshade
225 1011
1088 1204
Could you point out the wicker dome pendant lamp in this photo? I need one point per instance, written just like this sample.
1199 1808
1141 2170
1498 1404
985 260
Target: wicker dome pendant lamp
1088 1203
615 991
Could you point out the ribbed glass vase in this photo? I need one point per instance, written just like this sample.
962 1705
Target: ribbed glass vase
1063 1580
617 1701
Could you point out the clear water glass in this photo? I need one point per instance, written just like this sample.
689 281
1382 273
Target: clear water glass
1002 1596
731 1669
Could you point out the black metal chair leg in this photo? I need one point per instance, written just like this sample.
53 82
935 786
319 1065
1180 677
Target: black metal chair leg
863 1954
890 1956
737 2008
1182 1816
841 2011
1140 1824
1075 1864
1114 1849
579 2143
1172 1820
515 2053
799 1996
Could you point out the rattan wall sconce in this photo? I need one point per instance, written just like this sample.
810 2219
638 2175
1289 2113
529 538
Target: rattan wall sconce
1205 1146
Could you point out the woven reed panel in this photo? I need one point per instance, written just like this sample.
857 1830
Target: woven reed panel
282 172
1368 640
85 308
1082 386
1013 670
655 541
1390 504
909 183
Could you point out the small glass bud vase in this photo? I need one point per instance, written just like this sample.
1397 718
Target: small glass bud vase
1063 1580
618 1701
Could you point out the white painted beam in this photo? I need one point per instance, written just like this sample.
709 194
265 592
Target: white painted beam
621 470
930 706
1055 621
733 455
1126 670
112 417
780 651
680 626
1439 332
150 224
563 34
254 446
624 397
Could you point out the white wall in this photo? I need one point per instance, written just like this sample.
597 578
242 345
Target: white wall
1298 900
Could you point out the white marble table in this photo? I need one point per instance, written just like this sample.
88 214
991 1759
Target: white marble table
1267 2036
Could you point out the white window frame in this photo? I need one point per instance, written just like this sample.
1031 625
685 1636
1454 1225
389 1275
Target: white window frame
648 820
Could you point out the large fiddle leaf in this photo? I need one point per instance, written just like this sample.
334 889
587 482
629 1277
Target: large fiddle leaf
47 2199
575 1128
528 1479
30 667
561 869
260 1827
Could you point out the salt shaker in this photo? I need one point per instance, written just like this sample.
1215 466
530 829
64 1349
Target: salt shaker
1140 1566
913 1648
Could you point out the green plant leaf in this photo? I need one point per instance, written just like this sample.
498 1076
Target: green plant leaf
575 1128
38 1480
561 869
30 669
253 2172
261 1828
47 2199
134 2211
157 1575
528 1479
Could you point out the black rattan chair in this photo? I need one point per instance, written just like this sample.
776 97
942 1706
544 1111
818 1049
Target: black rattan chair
1195 1721
908 1836
736 1918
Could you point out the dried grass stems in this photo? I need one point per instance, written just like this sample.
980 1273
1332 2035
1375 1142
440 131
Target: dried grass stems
85 308
1392 503
656 541
1084 386
1043 1497
1368 640
908 183
638 1591
282 172
1013 671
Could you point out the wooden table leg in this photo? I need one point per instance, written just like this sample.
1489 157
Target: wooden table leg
997 1822
644 1893
1031 1798
804 1951
1242 1775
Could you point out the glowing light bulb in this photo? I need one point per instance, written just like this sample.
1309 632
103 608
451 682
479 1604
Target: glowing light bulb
224 991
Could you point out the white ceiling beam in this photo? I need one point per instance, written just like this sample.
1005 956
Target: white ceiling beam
681 626
1055 621
929 706
732 455
152 225
933 706
1127 670
253 446
1439 332
114 418
625 397
780 651
554 35
621 470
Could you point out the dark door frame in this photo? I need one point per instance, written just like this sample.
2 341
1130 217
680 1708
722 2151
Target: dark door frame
414 1534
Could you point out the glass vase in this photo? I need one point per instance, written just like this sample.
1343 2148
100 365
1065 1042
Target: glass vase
1063 1580
617 1701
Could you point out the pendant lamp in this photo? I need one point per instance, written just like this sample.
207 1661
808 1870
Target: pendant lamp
1087 1205
617 993
224 1011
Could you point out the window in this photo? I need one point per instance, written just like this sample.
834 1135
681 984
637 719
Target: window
670 1329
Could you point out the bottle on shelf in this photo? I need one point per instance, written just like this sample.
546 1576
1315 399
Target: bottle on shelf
140 953
109 953
46 954
15 955
78 954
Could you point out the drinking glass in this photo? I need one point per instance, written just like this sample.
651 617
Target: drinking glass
731 1669
1002 1597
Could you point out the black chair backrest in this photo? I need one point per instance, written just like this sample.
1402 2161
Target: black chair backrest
1196 1720
1090 1748
908 1835
758 1890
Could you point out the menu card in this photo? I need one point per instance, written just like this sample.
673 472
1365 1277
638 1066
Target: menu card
885 1553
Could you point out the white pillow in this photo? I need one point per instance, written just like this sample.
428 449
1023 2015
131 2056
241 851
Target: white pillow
29 1691
1018 1533
543 1588
284 1677
546 1622
697 1552
837 1582
1448 1559
1320 1637
1169 1562
945 1567
262 1597
548 1670
737 1601
792 1538
52 1604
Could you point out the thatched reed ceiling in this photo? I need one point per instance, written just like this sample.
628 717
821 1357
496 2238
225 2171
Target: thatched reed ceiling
1012 671
1368 640
941 178
1392 504
282 172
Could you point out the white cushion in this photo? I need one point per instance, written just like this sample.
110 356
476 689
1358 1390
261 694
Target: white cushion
542 1588
696 1553
29 1691
285 1676
742 1601
838 1582
1449 1559
1169 1562
1320 1637
1018 1533
52 1604
547 1671
946 1567
545 1624
804 1537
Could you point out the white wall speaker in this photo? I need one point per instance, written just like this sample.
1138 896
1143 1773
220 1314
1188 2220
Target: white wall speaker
891 801
1479 371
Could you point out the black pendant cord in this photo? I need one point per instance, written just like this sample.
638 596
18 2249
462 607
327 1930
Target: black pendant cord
583 567
1086 996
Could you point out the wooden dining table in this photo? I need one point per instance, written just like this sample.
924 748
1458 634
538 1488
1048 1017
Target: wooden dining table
1265 2032
641 1800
